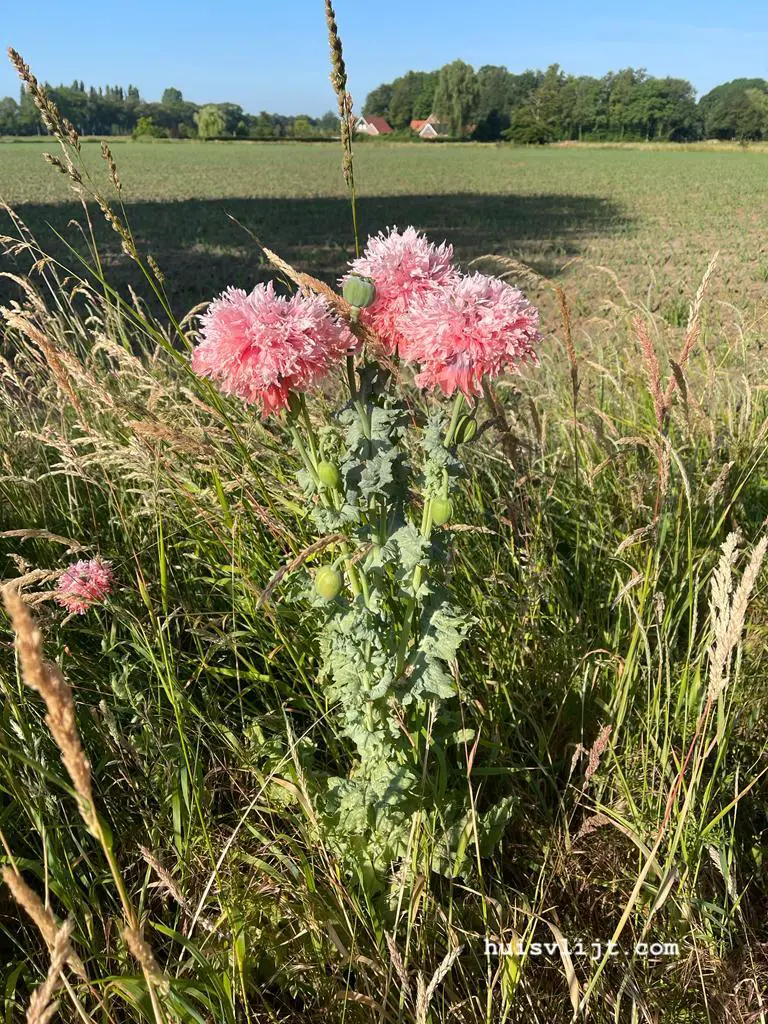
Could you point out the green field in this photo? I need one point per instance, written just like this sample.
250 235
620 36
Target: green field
653 216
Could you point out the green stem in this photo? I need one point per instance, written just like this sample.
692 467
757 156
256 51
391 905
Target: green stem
353 204
365 419
305 457
310 430
357 581
351 377
128 911
458 404
426 530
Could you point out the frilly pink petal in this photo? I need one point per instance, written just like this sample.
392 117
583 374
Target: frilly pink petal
472 328
404 266
261 346
84 584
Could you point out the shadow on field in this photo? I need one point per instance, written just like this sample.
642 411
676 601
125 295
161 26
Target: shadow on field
201 250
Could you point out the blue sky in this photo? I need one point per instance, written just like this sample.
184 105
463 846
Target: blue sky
273 55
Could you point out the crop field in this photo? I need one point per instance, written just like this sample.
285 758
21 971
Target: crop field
385 707
652 217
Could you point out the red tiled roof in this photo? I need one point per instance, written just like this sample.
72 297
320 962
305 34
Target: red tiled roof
417 125
381 125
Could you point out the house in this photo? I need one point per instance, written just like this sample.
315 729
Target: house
428 131
428 128
373 126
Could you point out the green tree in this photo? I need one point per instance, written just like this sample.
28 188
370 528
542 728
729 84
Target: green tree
174 112
9 116
664 108
146 128
758 102
171 97
494 102
540 118
210 122
523 86
329 123
233 114
729 113
377 102
412 96
424 104
527 128
262 126
581 102
547 101
622 87
29 119
456 97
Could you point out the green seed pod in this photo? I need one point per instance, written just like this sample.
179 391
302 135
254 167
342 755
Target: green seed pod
442 510
329 475
328 583
359 292
466 429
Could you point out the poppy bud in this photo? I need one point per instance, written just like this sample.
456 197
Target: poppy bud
466 430
329 475
442 510
360 292
328 583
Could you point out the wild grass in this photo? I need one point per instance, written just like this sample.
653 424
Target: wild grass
610 549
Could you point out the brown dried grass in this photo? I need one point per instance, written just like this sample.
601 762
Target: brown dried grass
47 680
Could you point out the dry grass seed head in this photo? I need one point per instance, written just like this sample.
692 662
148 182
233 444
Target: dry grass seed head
728 614
40 915
719 483
570 349
295 563
339 83
42 1006
338 68
338 304
598 749
142 953
652 369
692 332
167 881
32 905
109 159
48 110
510 267
47 680
49 351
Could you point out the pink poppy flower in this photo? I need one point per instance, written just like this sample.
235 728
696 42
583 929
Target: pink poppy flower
84 584
261 346
475 327
404 266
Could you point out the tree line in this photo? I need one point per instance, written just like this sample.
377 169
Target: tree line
117 111
489 104
551 106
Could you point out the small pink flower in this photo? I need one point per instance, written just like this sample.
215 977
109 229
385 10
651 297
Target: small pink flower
84 584
404 266
476 327
261 346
